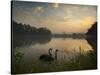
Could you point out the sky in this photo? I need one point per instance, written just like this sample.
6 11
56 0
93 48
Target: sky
59 18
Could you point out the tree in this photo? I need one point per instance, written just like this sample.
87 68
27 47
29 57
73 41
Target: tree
19 28
43 31
93 29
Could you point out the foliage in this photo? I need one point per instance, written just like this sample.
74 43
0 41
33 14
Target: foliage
19 28
93 29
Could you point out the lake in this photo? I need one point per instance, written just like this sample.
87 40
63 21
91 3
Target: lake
71 54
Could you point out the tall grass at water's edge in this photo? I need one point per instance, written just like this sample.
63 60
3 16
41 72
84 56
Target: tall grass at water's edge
79 62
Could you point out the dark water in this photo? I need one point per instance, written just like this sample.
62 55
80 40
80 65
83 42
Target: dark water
72 54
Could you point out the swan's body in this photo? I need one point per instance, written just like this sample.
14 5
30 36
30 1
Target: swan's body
48 57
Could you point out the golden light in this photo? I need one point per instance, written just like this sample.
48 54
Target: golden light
88 21
39 9
55 5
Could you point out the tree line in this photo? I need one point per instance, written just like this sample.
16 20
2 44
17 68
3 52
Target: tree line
19 28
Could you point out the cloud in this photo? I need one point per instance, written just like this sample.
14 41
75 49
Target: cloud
38 10
55 5
58 18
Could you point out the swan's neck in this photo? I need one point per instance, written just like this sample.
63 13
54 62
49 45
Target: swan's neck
50 53
56 55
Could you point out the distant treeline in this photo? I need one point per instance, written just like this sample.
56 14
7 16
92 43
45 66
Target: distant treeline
19 28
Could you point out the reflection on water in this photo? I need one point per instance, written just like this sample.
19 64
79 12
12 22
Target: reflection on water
31 51
19 41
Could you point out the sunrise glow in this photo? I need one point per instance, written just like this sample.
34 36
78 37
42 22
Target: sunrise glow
57 17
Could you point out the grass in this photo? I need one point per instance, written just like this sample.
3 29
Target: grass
81 62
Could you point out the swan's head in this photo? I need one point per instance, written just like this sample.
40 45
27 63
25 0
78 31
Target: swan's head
50 48
57 50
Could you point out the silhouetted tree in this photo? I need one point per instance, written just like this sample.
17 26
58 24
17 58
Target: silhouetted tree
19 28
93 30
44 31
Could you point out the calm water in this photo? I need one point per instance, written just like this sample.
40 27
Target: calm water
27 52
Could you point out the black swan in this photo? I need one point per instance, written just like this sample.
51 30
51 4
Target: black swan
48 57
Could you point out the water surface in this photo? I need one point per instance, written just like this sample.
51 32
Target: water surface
69 52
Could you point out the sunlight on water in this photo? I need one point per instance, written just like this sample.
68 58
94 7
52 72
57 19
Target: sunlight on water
68 48
66 45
